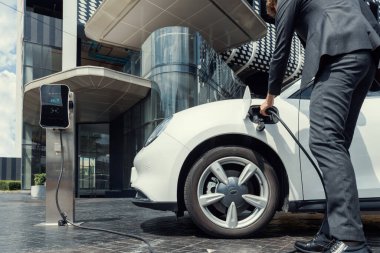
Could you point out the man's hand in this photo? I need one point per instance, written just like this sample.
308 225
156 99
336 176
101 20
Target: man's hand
268 103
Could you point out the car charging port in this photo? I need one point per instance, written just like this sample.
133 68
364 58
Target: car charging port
261 120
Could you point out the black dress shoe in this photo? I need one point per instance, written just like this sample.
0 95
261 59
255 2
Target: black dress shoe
319 243
341 247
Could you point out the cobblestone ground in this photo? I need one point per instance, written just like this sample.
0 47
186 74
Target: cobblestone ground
19 214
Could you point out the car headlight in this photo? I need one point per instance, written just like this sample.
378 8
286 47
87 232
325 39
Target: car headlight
158 130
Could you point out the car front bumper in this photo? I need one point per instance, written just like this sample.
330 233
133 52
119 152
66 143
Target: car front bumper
156 171
142 201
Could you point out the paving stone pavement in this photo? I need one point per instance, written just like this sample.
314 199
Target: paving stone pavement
19 213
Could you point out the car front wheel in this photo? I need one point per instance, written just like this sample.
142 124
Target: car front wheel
231 192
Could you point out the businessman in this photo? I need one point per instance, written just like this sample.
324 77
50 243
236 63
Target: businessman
342 44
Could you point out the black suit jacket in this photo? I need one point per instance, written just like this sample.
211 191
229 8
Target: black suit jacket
326 27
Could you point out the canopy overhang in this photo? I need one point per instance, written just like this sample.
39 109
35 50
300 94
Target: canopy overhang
128 23
101 94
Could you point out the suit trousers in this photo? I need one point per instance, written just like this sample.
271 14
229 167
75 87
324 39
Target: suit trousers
340 88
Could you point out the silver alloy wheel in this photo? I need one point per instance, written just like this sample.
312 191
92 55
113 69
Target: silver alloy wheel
217 187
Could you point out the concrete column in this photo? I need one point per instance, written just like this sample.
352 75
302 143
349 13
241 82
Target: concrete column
19 76
69 35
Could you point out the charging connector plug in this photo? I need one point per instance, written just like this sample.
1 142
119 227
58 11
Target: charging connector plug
62 223
260 123
260 126
64 220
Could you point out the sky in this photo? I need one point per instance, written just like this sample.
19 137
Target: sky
8 31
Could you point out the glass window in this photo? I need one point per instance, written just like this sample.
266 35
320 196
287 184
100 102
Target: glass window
28 74
136 116
28 54
203 93
146 52
133 63
170 45
178 93
40 61
37 54
37 73
374 90
94 157
43 30
33 153
306 93
303 94
56 59
373 93
46 57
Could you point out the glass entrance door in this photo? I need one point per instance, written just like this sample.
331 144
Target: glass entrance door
93 159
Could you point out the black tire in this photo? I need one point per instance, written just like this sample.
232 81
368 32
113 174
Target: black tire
207 222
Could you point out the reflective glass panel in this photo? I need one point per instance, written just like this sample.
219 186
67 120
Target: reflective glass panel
93 159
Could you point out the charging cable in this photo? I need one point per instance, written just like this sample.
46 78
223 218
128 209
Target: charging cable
317 169
272 112
66 221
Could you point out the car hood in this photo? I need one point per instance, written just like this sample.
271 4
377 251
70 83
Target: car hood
205 121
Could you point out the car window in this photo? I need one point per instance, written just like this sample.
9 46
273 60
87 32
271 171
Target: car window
374 91
303 94
306 93
288 85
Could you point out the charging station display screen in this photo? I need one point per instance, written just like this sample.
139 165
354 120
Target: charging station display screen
54 106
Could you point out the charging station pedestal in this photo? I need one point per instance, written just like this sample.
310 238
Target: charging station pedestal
53 162
66 194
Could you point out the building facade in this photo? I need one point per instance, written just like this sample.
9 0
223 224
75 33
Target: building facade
124 92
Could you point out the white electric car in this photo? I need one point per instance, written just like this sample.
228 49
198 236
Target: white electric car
211 161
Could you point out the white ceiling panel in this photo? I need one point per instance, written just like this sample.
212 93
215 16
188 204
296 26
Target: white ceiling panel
119 32
184 8
223 23
141 14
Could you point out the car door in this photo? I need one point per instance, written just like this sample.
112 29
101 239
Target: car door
364 150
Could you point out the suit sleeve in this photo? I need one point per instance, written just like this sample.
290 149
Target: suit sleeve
285 22
367 13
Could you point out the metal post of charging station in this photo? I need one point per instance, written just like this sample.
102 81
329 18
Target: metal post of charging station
53 165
